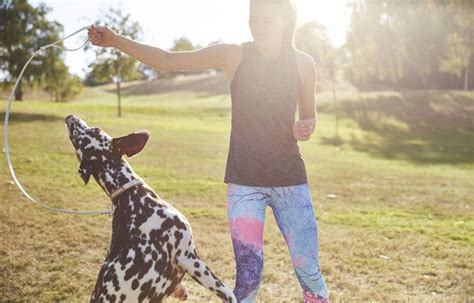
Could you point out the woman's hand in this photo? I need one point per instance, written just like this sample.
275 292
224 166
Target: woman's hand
303 129
102 36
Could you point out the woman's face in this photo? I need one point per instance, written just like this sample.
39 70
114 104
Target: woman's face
267 23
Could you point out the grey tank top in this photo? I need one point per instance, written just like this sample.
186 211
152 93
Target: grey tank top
263 151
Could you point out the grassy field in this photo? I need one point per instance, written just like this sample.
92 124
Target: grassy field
394 195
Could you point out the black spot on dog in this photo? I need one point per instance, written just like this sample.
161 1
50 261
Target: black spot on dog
135 284
178 236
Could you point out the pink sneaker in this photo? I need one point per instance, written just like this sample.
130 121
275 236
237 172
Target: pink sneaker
313 298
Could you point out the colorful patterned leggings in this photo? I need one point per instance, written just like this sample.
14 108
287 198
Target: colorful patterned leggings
294 213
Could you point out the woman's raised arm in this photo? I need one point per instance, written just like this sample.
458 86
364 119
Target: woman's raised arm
211 57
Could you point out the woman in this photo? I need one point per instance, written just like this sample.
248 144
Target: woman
269 79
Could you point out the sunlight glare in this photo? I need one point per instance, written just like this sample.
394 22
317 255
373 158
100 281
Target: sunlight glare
332 14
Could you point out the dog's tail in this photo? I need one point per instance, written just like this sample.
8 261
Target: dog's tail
199 271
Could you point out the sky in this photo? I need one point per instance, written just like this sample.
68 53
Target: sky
202 21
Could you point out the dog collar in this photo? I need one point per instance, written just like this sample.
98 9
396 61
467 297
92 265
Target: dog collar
125 187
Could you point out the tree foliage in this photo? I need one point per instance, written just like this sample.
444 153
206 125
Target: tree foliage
409 44
23 30
459 54
111 64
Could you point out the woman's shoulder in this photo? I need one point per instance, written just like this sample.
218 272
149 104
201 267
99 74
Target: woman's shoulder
233 50
304 59
306 65
230 52
233 57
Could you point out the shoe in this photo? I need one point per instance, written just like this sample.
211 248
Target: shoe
313 298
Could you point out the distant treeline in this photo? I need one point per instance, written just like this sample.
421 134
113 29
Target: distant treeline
411 44
390 45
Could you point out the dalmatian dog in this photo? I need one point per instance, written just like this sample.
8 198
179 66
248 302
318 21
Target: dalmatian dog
152 248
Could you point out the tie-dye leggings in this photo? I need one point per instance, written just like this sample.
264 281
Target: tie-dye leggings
294 213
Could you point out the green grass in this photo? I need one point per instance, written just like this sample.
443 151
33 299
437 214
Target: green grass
394 197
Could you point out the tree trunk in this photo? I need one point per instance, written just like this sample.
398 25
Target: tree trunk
118 82
19 92
467 71
119 99
466 78
336 105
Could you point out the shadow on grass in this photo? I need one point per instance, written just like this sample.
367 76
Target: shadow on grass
433 127
27 118
334 141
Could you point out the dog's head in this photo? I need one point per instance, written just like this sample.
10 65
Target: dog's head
94 147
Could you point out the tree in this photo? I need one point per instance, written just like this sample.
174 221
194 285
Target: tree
459 55
111 65
373 44
410 44
183 44
421 30
58 82
23 30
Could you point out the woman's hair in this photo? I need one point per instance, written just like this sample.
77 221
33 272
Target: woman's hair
289 9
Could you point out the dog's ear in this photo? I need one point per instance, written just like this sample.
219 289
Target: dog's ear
85 171
131 144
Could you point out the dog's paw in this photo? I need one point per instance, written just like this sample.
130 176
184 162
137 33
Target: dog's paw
181 293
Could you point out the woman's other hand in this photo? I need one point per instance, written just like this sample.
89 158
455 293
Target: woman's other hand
102 36
303 129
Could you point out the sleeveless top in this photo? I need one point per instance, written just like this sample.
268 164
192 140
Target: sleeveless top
263 151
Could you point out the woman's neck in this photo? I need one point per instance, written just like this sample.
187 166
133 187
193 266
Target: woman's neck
270 51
